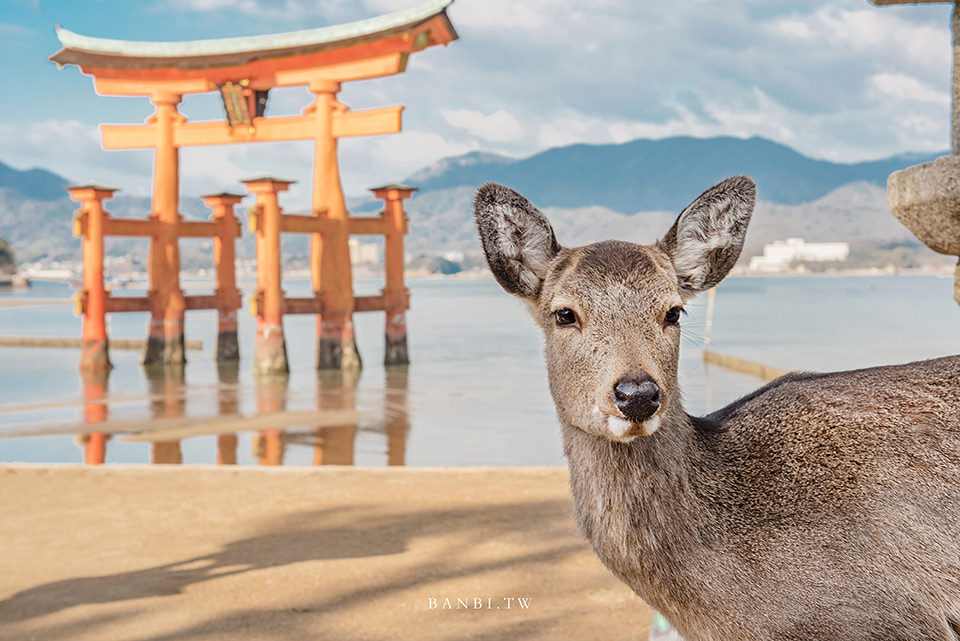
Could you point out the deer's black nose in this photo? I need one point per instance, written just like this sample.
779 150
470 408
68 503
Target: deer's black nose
638 398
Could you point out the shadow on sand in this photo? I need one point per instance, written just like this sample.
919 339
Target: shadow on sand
338 533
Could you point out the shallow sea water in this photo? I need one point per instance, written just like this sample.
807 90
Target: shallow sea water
476 390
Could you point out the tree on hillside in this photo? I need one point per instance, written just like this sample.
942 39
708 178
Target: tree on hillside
8 260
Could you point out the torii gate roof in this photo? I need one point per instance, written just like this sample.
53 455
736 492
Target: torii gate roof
103 53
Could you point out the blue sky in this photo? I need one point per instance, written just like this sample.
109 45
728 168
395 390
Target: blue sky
836 79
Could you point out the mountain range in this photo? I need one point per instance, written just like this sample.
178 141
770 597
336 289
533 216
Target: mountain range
631 191
652 175
36 184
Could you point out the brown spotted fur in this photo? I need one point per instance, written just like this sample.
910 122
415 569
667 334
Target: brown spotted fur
820 507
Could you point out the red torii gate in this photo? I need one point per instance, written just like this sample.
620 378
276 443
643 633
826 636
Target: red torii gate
243 70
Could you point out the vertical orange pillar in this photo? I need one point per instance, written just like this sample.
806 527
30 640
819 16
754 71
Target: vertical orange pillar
395 293
270 353
271 398
95 356
225 260
94 412
330 255
165 339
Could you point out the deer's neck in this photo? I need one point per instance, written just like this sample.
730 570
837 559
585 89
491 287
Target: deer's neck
638 505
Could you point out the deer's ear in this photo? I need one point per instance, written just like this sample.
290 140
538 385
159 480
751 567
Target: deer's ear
705 241
517 239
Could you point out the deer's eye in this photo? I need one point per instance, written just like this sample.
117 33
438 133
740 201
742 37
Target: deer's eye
566 318
673 316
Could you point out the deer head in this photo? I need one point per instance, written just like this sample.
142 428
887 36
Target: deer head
610 311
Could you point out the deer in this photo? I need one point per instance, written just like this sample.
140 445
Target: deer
822 506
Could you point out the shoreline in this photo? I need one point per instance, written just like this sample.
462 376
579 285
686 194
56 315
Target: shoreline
198 280
946 272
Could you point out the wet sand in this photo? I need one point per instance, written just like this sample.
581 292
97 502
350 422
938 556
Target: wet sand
339 553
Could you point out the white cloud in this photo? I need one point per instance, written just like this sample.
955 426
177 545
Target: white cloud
246 7
502 15
72 149
763 116
281 9
52 134
209 5
505 15
794 28
14 29
500 126
904 87
397 157
873 30
833 78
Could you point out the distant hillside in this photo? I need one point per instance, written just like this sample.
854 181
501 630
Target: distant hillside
630 191
38 184
442 220
653 175
456 170
857 213
42 228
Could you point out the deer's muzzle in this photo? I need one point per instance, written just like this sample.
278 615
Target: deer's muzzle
637 398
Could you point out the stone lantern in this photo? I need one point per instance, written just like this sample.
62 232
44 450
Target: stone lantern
926 197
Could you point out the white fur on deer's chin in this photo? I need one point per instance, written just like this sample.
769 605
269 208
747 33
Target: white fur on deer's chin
618 427
651 425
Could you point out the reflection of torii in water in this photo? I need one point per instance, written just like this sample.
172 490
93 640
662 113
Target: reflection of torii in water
336 445
333 426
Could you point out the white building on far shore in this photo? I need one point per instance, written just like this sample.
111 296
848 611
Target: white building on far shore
363 252
778 255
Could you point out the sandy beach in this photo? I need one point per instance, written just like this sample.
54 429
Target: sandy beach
161 553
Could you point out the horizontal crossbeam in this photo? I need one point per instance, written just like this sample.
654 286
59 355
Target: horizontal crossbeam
143 303
196 229
299 224
148 227
129 304
369 303
366 225
367 122
128 227
376 303
312 305
203 301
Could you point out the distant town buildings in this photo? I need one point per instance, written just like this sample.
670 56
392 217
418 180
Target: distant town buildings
52 271
778 255
363 252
